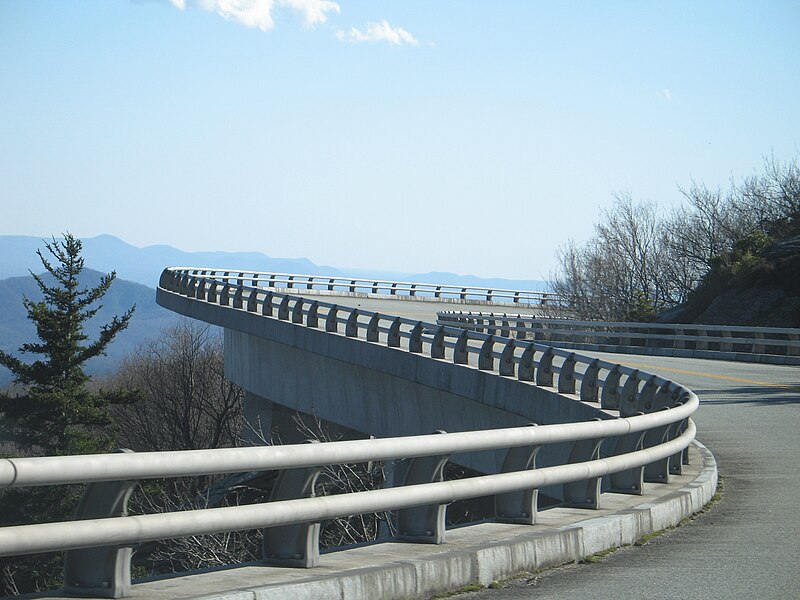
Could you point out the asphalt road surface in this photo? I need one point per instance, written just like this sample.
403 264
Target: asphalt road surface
747 545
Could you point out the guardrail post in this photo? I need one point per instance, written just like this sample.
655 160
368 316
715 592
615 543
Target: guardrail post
297 311
415 339
351 327
658 471
183 285
189 286
103 572
312 317
701 344
266 305
630 481
224 295
586 493
518 507
520 327
283 309
609 399
589 382
507 360
437 344
678 343
525 371
566 375
200 291
332 321
485 357
792 350
237 296
544 369
167 280
393 340
252 300
293 545
758 346
372 328
460 352
426 523
677 460
726 346
211 296
631 400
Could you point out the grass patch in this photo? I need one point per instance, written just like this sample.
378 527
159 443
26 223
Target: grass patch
472 587
706 507
598 556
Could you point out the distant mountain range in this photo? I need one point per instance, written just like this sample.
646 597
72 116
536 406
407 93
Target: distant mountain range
148 321
138 270
107 253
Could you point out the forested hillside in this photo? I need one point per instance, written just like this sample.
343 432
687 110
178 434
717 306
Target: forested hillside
147 322
723 256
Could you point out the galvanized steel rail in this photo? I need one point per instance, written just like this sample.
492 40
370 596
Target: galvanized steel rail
649 421
776 345
354 285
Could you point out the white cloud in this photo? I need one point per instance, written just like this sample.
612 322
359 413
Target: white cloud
378 32
313 10
665 94
258 13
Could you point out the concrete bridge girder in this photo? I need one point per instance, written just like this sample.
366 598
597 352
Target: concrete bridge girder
376 389
387 392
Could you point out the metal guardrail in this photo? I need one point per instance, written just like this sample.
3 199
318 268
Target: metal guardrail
354 285
757 344
646 424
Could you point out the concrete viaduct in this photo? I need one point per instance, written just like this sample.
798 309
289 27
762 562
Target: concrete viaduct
611 446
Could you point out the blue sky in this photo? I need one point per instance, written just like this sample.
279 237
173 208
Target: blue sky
473 137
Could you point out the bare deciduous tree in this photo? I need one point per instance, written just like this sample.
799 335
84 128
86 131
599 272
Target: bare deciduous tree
639 262
188 403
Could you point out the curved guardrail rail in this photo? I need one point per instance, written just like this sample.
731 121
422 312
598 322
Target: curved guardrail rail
646 423
353 285
777 345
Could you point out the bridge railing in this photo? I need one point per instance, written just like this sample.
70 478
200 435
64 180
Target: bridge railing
353 285
643 421
757 344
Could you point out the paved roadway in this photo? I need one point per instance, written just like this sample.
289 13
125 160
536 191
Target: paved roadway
747 546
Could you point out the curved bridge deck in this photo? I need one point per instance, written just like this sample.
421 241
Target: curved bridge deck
484 552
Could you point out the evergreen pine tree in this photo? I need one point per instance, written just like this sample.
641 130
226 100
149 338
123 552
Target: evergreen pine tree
55 413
